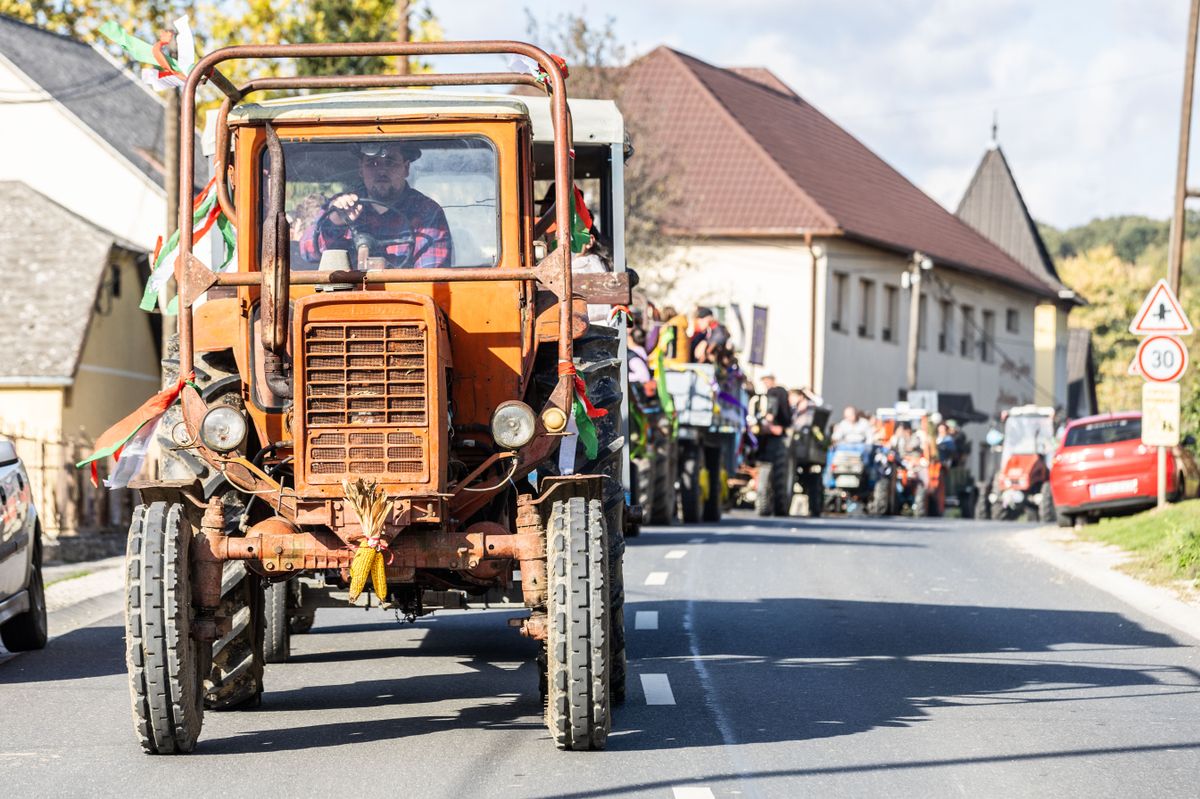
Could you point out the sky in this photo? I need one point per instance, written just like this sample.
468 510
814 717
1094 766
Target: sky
1086 93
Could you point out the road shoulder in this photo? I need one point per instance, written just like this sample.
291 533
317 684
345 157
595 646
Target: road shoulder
1099 565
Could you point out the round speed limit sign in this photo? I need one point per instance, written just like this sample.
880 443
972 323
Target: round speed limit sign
1162 359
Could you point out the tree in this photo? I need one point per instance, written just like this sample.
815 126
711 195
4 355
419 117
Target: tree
597 60
79 19
308 21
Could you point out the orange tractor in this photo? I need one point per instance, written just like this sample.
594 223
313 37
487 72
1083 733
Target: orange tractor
397 365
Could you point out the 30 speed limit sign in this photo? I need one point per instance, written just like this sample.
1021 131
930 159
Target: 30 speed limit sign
1162 359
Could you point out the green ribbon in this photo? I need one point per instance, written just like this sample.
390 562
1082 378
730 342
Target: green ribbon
587 431
138 50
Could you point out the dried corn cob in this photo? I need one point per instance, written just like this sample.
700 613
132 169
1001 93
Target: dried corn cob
372 507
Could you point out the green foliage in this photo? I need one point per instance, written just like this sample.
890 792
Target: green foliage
79 19
315 21
1165 543
1113 263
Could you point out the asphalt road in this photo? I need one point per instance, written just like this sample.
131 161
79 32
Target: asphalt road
776 658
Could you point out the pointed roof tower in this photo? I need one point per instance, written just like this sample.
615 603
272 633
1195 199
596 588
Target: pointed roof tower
993 205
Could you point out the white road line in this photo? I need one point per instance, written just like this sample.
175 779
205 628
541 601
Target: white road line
676 554
645 620
657 689
691 792
695 540
657 578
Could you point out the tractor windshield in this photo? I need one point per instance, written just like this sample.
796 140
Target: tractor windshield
1028 435
416 203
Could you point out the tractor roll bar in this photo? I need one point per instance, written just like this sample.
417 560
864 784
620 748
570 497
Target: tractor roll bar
220 164
562 283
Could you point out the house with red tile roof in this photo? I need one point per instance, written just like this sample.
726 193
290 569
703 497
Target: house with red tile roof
784 215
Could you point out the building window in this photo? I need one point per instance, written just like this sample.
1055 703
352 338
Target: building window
866 315
839 301
966 344
987 342
1012 321
946 331
922 315
891 300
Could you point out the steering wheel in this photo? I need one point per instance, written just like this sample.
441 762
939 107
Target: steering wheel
407 254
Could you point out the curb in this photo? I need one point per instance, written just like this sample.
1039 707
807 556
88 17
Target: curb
1097 564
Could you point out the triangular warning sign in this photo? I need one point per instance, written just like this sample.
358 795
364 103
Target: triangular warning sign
1133 370
1161 313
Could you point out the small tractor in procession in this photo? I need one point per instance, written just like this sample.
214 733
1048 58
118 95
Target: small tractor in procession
393 388
709 409
1020 483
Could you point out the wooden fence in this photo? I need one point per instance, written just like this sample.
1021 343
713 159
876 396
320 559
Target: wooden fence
67 502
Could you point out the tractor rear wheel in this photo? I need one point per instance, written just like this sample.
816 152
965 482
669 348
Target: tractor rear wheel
691 498
666 467
166 665
712 497
1045 508
920 505
880 503
277 641
814 494
578 701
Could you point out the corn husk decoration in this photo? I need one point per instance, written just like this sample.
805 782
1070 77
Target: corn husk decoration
373 509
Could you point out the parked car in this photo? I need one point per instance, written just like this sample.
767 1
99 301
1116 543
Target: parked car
1103 469
22 597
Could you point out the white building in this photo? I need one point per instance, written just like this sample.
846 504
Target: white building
786 215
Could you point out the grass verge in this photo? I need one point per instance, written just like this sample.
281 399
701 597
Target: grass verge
1165 544
72 576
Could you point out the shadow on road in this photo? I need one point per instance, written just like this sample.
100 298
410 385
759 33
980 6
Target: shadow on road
802 669
80 654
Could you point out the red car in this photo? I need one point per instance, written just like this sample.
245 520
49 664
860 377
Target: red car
1103 469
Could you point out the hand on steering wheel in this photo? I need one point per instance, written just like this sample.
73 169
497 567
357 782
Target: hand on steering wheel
345 209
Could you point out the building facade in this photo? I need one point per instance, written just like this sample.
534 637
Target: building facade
788 221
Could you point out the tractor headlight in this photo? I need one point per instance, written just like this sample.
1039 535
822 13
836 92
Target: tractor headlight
513 424
223 429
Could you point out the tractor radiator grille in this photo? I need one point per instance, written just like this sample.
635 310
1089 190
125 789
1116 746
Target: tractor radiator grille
366 402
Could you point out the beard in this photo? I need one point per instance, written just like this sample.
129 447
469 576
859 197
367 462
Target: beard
384 189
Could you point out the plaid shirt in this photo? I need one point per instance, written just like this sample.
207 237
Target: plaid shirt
415 215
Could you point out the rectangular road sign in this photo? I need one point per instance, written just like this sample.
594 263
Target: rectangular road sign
1161 312
1160 414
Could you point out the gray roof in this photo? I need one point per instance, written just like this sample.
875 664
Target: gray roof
993 205
108 99
49 286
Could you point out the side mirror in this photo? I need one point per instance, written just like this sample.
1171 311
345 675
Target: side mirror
275 263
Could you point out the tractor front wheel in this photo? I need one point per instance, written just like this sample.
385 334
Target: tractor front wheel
166 665
578 702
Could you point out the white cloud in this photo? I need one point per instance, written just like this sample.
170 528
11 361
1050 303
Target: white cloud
1087 91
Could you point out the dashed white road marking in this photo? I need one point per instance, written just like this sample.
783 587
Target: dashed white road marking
676 554
657 578
645 620
691 792
695 540
657 689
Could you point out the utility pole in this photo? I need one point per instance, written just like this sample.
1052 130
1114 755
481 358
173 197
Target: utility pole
405 31
1175 251
920 263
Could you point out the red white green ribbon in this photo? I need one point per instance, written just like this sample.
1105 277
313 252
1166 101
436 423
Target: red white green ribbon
583 411
206 213
160 69
136 428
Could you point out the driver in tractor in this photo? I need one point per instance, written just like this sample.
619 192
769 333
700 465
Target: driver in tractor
411 227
